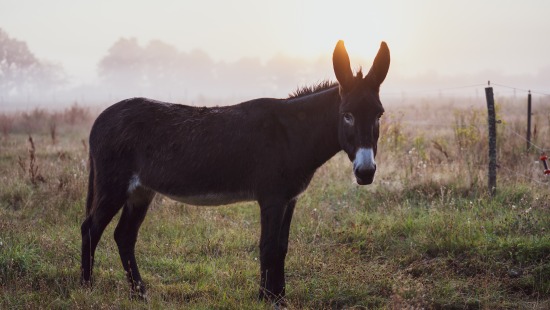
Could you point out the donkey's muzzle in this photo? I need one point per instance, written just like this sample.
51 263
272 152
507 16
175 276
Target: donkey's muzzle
364 166
364 176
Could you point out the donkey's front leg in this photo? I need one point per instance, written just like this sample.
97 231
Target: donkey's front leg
272 253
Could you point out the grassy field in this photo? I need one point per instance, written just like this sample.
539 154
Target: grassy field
425 235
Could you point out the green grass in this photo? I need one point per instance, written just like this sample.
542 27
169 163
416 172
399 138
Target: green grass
416 242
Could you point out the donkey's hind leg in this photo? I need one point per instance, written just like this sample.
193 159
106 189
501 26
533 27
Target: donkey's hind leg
272 283
126 232
108 201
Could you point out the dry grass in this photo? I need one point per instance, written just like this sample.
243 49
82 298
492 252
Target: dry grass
426 235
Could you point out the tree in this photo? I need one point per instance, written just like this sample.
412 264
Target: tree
124 66
21 71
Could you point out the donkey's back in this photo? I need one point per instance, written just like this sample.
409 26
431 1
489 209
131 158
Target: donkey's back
198 155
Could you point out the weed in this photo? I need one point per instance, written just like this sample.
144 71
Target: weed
32 168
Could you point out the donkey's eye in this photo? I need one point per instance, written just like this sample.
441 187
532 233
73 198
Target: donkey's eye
348 118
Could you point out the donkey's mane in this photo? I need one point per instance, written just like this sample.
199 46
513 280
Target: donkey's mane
323 85
308 90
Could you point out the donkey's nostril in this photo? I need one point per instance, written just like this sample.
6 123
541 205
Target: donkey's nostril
364 166
364 171
364 176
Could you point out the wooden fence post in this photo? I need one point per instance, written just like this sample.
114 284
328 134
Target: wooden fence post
529 121
492 140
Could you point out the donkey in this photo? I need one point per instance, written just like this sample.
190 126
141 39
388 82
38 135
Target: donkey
265 150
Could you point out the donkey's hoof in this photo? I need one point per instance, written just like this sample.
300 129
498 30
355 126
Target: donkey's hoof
141 296
277 300
85 283
278 306
139 292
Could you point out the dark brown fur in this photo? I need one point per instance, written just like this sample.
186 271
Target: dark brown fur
265 150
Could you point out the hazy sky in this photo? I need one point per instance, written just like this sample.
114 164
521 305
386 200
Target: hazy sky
447 37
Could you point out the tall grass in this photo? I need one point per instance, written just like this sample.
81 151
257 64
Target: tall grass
425 235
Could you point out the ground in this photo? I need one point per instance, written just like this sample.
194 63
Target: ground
426 234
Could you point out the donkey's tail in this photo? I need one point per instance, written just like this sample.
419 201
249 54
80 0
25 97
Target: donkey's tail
90 197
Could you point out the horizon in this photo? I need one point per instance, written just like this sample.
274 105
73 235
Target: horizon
434 45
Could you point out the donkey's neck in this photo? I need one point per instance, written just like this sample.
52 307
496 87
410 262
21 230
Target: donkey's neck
318 124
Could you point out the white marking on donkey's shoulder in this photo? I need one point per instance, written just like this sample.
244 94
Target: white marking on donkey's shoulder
134 183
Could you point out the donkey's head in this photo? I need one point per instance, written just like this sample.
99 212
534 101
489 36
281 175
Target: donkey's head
360 110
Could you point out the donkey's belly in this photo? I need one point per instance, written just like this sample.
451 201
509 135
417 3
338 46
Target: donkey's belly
213 199
194 197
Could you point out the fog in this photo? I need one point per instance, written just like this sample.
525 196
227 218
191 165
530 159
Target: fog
217 53
159 70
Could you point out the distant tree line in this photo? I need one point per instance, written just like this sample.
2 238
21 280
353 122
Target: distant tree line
156 69
161 68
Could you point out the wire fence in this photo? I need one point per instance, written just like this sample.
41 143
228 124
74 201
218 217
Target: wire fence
541 149
442 90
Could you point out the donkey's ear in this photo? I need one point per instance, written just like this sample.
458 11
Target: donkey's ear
379 69
342 67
